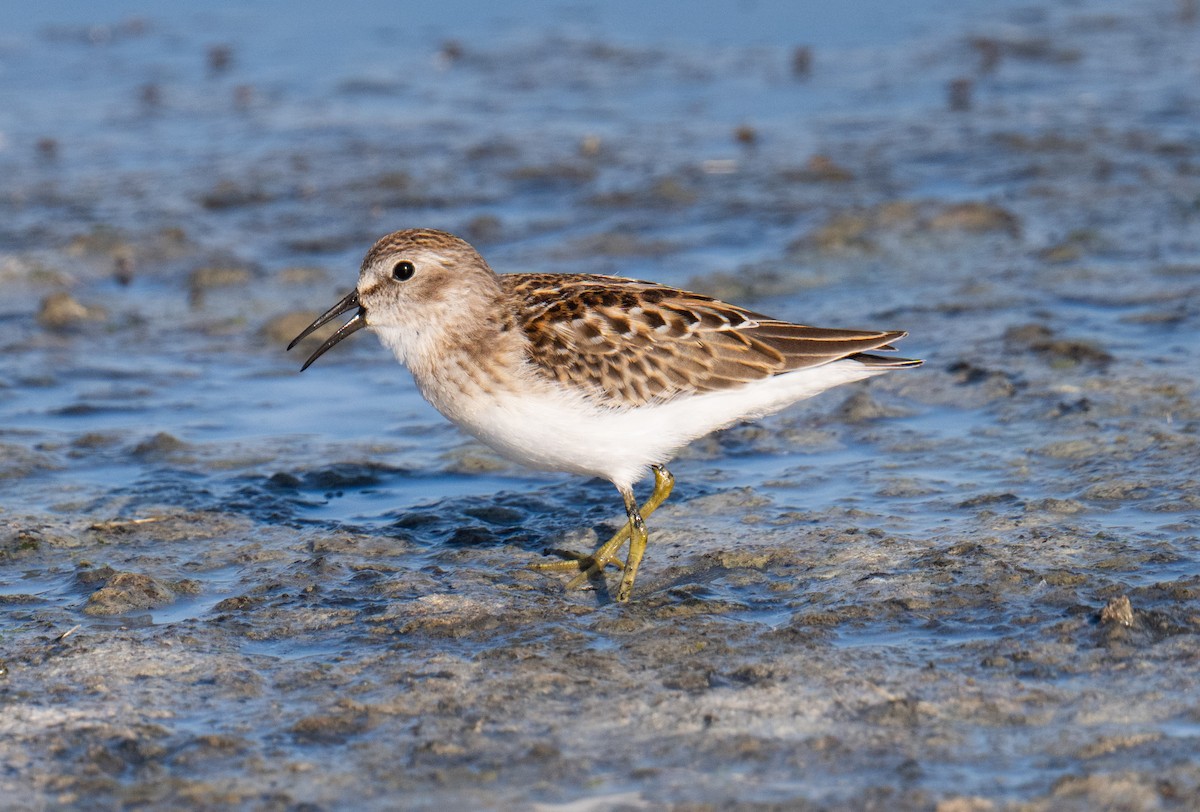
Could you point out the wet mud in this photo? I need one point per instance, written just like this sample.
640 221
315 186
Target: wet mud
971 586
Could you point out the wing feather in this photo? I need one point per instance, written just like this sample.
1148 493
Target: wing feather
628 343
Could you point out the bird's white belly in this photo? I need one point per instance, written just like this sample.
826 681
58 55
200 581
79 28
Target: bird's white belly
556 429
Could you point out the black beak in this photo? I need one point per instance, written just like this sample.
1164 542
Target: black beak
353 326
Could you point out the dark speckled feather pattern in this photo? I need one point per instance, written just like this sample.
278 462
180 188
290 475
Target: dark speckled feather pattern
628 343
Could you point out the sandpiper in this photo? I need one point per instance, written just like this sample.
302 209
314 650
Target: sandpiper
594 375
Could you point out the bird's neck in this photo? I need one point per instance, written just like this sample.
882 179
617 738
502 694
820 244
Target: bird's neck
454 353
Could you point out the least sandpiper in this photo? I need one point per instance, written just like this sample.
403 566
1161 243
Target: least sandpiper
595 375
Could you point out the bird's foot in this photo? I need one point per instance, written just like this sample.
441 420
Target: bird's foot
592 566
589 566
575 562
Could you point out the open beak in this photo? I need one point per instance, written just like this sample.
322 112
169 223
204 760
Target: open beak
353 326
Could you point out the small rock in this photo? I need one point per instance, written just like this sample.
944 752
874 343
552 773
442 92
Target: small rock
671 192
1052 505
965 803
47 148
1106 745
202 280
128 591
843 232
553 175
959 94
301 275
484 228
241 603
976 217
746 135
243 96
620 244
61 311
451 51
1058 352
151 94
100 241
220 57
987 499
218 276
1118 611
819 169
802 59
1119 490
286 326
861 407
227 195
18 544
158 446
667 192
123 267
989 53
899 712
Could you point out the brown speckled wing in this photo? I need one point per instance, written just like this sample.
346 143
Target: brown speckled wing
628 342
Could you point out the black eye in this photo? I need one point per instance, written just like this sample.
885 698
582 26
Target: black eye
403 270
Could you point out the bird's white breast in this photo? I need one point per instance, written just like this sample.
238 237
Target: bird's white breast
542 424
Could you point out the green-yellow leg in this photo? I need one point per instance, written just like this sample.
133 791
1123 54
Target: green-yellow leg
663 484
634 530
637 548
607 552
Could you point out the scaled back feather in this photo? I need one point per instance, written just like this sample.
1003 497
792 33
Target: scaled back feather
582 331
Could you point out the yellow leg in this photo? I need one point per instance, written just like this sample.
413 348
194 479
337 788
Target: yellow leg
634 530
608 551
637 547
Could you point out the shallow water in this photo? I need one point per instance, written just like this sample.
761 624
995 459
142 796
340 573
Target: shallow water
227 584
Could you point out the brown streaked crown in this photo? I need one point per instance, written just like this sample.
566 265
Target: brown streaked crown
428 239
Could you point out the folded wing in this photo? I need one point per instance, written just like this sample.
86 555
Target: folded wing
629 343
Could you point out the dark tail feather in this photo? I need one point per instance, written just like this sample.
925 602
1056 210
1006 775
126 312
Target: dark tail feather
879 361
